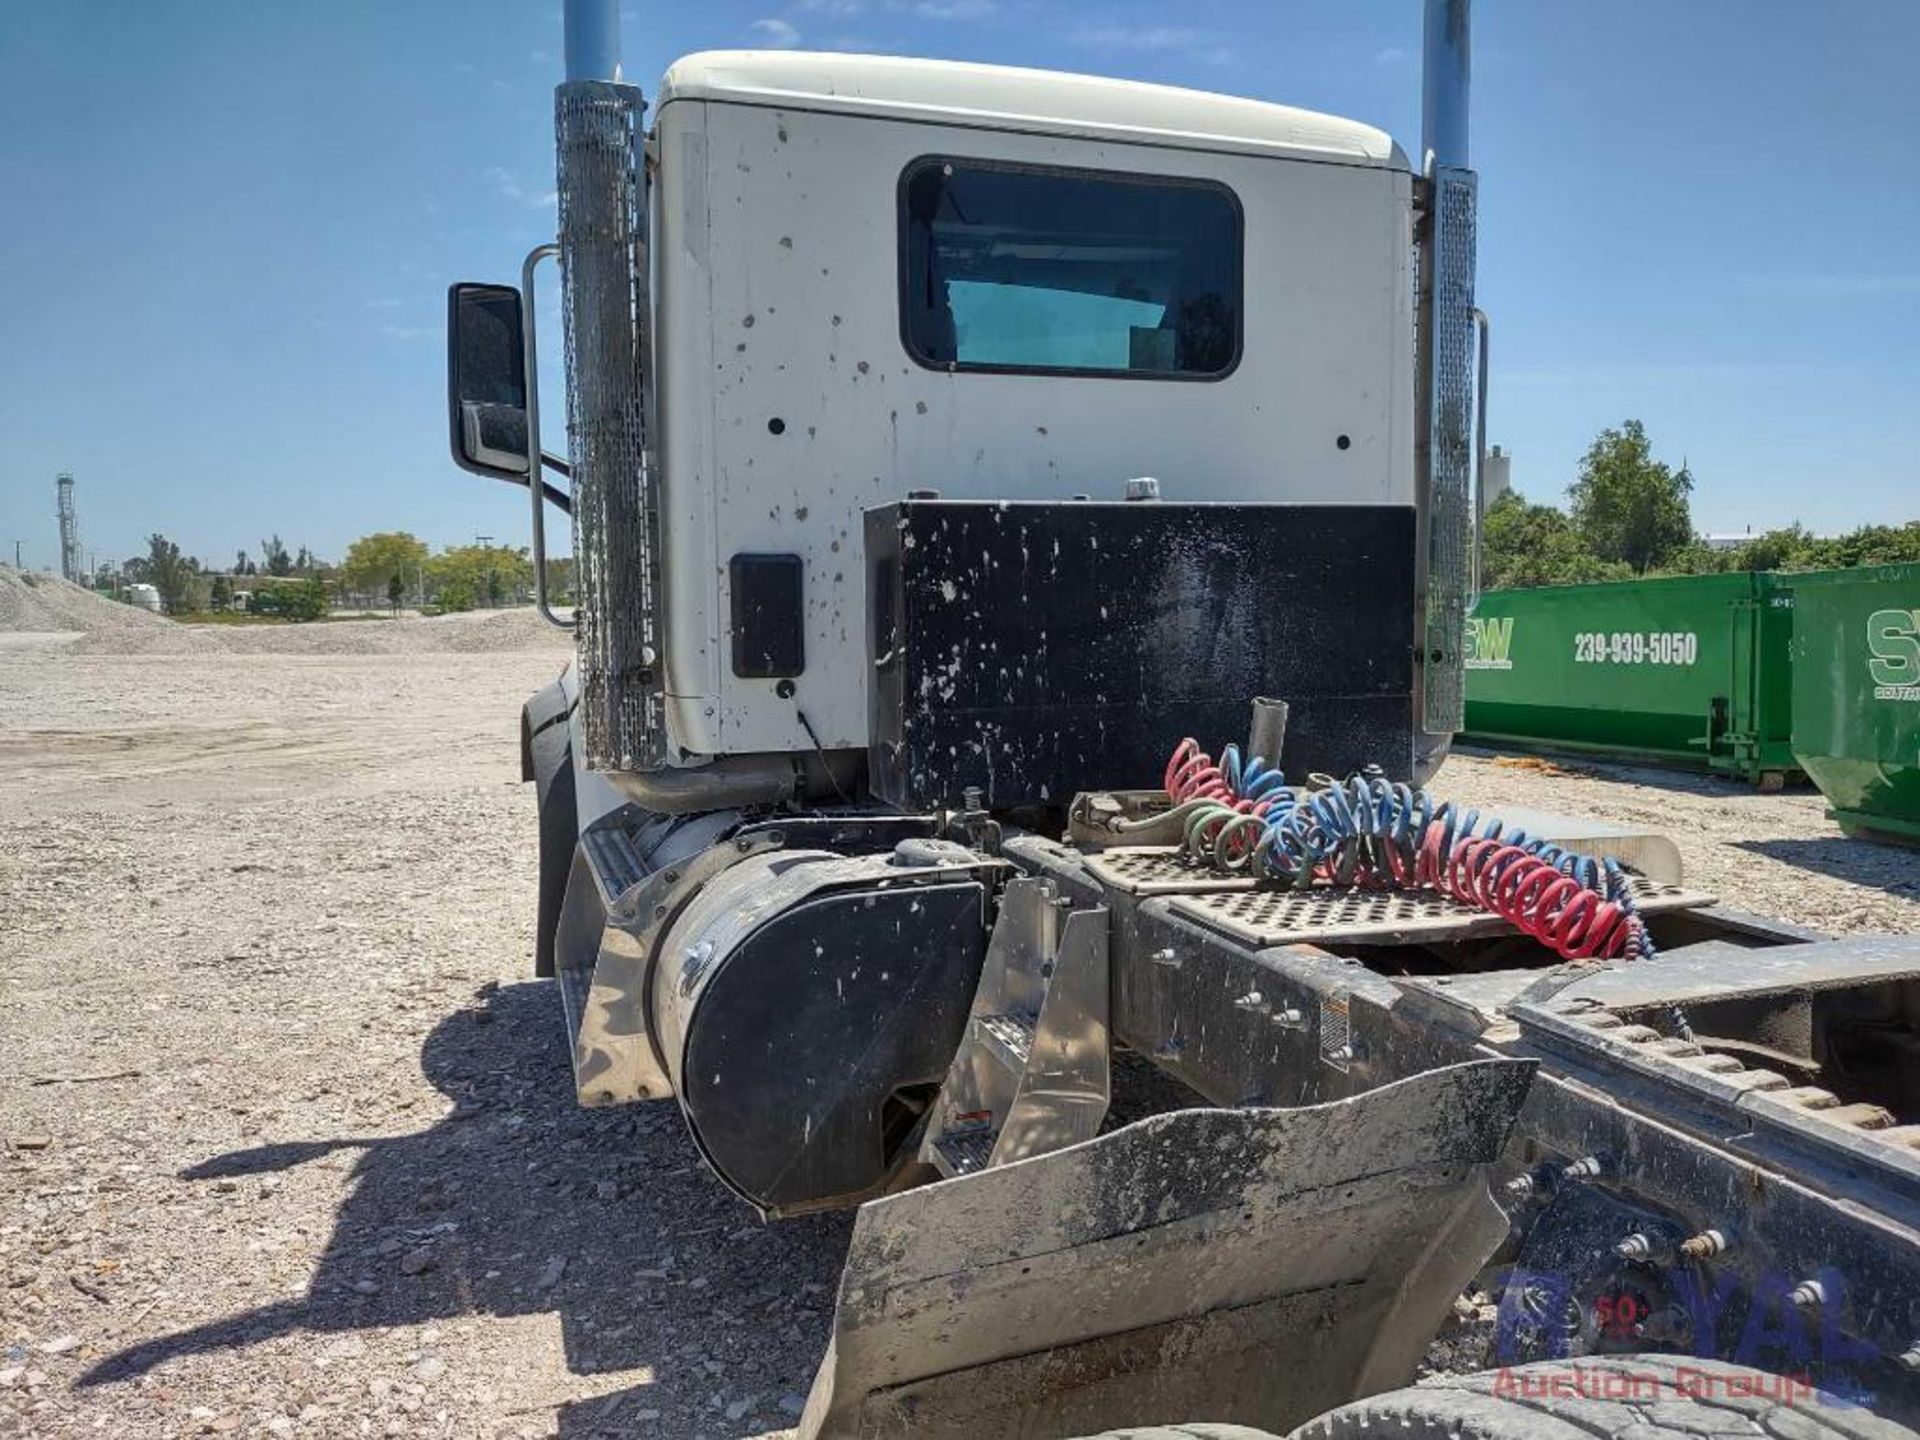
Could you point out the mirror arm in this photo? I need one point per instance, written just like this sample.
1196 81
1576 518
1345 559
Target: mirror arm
537 486
556 497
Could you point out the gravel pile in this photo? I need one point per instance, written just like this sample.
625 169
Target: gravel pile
481 632
36 607
38 610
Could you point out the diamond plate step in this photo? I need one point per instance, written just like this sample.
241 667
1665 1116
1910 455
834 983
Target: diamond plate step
962 1152
1378 917
1010 1037
1158 870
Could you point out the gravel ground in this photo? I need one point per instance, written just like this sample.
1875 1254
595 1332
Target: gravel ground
288 1141
289 1145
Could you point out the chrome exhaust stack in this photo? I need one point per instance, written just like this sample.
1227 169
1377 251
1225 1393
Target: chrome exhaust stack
593 40
1445 429
600 135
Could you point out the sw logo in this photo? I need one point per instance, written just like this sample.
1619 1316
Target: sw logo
1894 638
1488 641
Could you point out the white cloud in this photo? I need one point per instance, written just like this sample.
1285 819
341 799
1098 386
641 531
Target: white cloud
1200 46
508 187
780 34
954 9
1144 37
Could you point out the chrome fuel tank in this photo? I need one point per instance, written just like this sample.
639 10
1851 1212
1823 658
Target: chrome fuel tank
807 1005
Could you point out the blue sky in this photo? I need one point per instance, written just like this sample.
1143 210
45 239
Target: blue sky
229 224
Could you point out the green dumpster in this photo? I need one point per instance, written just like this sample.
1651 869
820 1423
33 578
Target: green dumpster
1856 694
1690 670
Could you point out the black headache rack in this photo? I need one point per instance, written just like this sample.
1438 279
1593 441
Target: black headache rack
1033 650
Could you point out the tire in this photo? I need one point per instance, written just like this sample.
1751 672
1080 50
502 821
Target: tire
559 833
1201 1431
546 758
1661 1397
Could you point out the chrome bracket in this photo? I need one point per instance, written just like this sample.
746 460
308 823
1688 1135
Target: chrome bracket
616 1053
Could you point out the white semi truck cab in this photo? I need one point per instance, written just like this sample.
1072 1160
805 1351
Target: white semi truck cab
945 441
950 440
819 285
877 277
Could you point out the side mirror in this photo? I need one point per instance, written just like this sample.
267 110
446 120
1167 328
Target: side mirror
487 381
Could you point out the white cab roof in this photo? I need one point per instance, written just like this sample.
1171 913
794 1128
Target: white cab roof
1004 98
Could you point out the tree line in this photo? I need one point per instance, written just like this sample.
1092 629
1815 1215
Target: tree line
391 569
1629 516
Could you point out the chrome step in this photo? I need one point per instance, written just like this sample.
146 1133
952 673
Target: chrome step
1030 1075
963 1152
617 866
1008 1036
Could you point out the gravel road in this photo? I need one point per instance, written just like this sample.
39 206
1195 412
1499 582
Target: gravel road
289 1146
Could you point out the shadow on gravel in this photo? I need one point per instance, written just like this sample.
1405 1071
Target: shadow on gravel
519 1203
1879 864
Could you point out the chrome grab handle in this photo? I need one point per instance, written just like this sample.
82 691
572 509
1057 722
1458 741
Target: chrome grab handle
536 481
1482 339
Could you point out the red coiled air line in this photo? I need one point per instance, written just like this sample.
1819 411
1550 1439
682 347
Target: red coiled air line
1193 775
1488 873
1531 894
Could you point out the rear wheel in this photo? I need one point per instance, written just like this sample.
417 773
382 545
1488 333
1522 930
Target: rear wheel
1644 1397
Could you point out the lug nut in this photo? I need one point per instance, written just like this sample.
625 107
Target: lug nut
1808 1295
1521 1187
1704 1246
1641 1247
1289 1017
1590 1167
1167 957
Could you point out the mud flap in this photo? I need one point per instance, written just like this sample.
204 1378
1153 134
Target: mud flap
1253 1266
